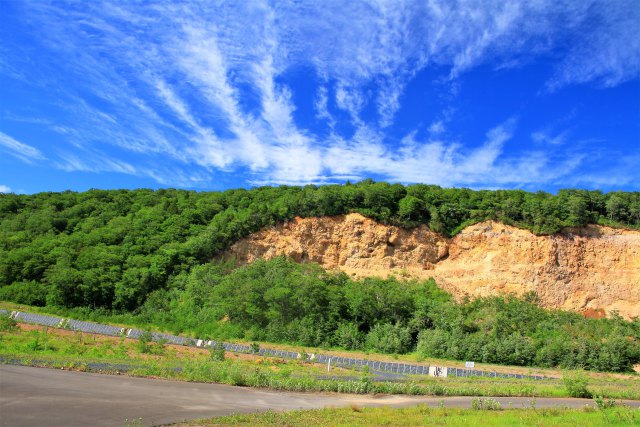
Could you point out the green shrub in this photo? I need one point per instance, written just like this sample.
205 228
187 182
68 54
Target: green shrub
25 292
388 338
144 342
255 348
217 352
515 350
7 324
604 404
435 343
158 348
486 404
348 336
576 384
40 341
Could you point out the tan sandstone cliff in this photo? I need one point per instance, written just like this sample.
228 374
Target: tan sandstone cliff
593 269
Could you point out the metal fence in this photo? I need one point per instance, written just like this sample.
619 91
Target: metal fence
95 328
373 365
39 319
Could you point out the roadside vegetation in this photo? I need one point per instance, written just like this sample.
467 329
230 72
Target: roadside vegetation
423 415
280 301
50 347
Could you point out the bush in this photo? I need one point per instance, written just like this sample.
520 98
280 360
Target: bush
7 324
576 385
365 380
348 336
158 348
434 343
216 352
25 292
388 338
617 354
40 340
554 353
255 348
515 350
144 342
604 404
486 404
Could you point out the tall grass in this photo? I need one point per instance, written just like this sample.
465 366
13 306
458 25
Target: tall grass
421 415
77 350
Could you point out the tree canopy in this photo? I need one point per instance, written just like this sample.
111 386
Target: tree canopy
112 248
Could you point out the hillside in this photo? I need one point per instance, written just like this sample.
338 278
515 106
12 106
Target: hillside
112 249
145 257
592 269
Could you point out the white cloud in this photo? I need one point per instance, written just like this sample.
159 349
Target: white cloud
176 96
93 162
435 161
609 55
388 101
351 100
436 127
5 189
24 152
548 138
177 105
321 106
25 119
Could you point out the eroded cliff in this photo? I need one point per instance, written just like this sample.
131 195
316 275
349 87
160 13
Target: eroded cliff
592 269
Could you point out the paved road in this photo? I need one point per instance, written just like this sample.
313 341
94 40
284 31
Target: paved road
48 397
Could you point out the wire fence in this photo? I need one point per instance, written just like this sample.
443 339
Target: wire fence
373 365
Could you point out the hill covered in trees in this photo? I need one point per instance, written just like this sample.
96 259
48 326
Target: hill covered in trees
144 257
113 248
279 300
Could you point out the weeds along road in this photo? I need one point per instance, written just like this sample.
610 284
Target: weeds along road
49 397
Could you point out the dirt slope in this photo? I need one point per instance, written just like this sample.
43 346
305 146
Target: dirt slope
593 269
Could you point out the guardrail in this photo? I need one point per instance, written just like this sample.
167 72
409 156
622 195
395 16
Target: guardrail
373 365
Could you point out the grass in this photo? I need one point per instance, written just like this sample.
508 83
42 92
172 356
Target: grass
423 415
44 346
128 321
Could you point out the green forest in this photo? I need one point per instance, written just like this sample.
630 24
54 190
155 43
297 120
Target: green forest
148 254
281 301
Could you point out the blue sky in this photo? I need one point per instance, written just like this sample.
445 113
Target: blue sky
480 94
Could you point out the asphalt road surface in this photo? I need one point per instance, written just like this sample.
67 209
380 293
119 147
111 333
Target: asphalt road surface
48 397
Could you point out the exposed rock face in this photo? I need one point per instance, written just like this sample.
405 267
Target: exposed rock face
582 269
589 269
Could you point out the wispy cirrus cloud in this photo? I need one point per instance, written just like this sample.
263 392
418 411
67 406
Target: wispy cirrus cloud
93 162
321 107
432 160
20 150
196 90
608 57
548 138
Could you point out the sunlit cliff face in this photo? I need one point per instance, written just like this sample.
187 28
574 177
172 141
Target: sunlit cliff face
591 269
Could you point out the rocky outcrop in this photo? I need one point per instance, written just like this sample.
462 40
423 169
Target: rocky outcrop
591 269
